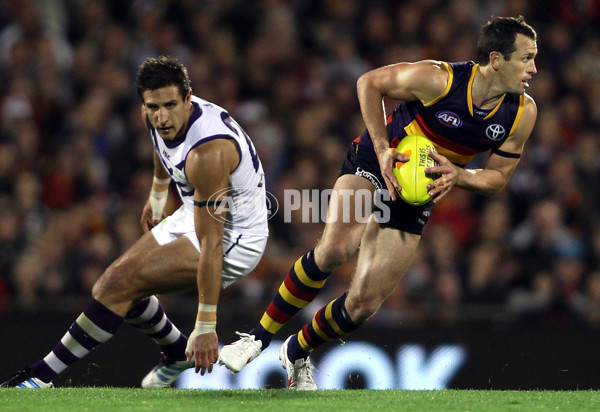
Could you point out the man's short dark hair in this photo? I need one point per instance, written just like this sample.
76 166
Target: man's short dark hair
500 35
162 71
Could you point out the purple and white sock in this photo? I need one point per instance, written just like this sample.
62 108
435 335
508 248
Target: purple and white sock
94 326
149 317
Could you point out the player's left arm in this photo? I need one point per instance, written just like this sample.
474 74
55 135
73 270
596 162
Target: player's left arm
498 170
208 168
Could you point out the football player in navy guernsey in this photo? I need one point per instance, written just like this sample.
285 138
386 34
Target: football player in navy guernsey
217 236
464 108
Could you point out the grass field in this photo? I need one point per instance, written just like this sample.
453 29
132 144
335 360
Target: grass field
175 400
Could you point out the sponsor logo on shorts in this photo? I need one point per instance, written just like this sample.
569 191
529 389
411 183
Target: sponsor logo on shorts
369 176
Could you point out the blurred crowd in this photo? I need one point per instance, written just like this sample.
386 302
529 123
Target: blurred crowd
76 159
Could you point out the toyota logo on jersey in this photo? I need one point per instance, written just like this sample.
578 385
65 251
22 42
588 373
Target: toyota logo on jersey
448 118
495 132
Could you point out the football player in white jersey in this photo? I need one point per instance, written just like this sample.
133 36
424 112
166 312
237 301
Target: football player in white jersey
217 236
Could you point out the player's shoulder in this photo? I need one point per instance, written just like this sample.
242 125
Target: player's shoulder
433 67
208 118
207 108
529 106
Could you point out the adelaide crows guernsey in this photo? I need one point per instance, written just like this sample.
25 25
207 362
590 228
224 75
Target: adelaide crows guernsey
246 201
457 128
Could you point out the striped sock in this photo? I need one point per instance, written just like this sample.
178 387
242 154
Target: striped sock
301 285
94 326
329 323
148 316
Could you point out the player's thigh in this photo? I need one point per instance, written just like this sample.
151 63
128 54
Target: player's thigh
170 267
349 209
385 255
148 268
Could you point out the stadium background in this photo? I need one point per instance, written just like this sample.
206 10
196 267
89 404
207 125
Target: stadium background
515 278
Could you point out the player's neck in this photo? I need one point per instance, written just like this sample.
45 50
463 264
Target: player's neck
485 92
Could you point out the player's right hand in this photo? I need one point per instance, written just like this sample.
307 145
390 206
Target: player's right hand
147 221
204 349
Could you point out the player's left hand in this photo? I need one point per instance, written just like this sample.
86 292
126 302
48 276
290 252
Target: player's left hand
205 350
386 160
447 176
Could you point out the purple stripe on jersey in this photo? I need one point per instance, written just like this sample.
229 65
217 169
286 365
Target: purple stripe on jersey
103 317
193 117
215 137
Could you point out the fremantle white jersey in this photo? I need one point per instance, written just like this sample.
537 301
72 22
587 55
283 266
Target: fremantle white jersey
246 202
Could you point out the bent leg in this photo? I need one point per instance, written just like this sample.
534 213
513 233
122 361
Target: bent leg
384 257
307 276
146 268
383 260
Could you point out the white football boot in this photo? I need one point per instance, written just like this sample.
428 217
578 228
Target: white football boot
238 354
299 373
165 373
25 379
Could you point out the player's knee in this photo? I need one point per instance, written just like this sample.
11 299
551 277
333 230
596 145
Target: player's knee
332 255
115 283
361 308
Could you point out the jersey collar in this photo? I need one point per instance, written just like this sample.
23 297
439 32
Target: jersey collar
470 95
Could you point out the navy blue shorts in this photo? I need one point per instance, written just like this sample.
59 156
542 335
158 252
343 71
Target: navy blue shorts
399 214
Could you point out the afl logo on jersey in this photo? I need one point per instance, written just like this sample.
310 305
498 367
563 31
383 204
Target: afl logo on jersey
448 118
495 132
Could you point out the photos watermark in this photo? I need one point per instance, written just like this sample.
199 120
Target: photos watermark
330 205
305 205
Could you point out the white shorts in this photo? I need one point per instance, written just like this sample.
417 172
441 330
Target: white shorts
241 253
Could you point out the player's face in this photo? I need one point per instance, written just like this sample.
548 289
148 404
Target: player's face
167 110
520 68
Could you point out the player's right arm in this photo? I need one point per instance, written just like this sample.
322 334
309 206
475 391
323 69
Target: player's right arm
425 81
153 211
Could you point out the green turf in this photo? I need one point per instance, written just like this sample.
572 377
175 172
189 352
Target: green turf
283 400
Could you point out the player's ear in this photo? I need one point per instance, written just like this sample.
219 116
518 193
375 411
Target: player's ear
496 60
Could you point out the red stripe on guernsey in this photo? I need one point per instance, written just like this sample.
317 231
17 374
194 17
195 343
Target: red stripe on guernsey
276 314
293 289
357 140
444 142
389 118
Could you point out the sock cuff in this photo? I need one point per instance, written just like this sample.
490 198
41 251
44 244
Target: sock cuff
103 317
311 268
341 316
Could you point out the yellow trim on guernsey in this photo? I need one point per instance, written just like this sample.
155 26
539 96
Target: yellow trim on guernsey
470 95
519 113
445 92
